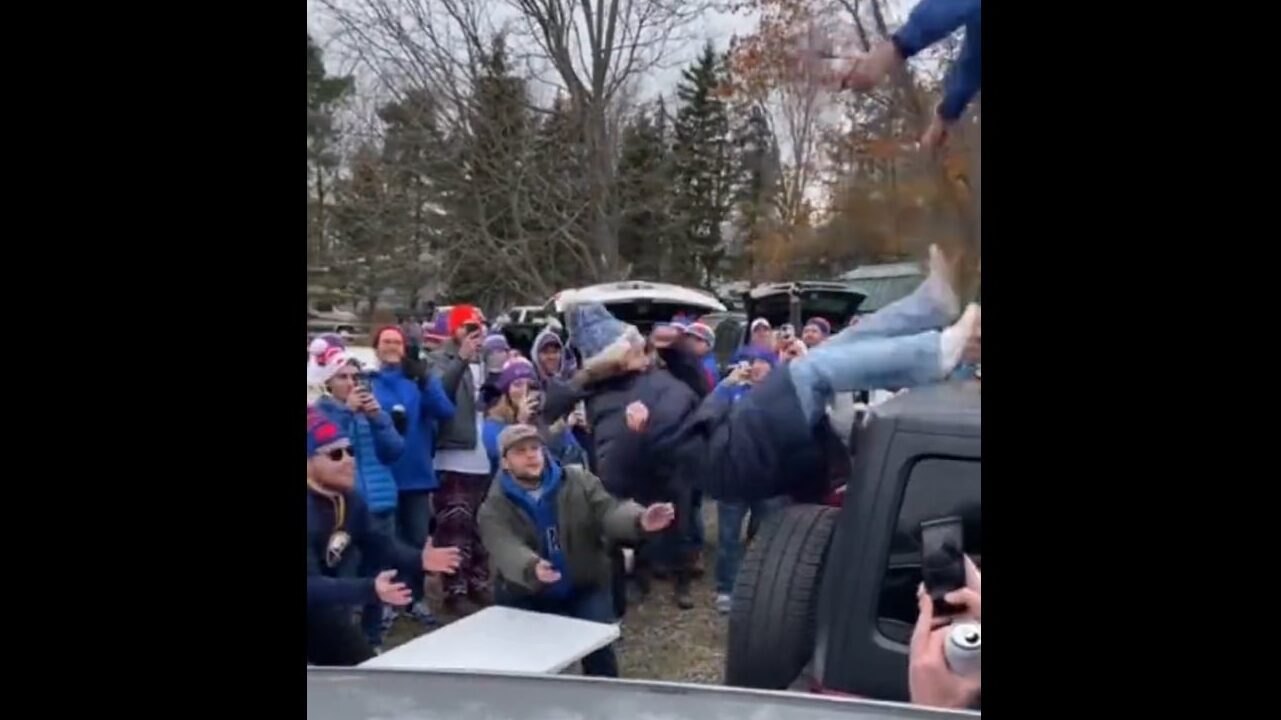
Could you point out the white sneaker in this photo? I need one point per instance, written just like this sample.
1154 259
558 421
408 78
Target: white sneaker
723 603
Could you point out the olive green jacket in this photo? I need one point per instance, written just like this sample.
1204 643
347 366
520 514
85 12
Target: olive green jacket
588 518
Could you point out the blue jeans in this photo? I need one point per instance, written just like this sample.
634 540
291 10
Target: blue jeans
730 545
371 617
413 523
895 347
594 604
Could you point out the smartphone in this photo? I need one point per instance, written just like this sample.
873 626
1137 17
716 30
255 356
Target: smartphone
537 399
471 328
362 384
943 561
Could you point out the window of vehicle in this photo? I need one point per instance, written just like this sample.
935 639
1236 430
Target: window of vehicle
936 487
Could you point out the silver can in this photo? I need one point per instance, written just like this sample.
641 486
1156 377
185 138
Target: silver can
963 648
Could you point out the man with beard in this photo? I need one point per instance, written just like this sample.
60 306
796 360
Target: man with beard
337 521
547 526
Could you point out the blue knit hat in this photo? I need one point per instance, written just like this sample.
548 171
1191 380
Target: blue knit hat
751 353
599 336
321 431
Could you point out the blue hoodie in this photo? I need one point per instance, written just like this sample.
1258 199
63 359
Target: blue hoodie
933 20
377 446
543 512
423 409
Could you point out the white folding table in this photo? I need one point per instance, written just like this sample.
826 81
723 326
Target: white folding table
501 639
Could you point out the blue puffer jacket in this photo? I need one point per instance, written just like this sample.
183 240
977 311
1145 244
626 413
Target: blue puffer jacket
424 405
377 446
933 20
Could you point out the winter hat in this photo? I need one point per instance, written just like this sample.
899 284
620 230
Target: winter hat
516 369
439 330
513 434
496 342
460 315
324 358
759 323
821 324
321 431
702 332
599 336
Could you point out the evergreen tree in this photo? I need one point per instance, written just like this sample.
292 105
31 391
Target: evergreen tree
757 169
702 169
324 94
644 194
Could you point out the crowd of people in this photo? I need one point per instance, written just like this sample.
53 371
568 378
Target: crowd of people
526 481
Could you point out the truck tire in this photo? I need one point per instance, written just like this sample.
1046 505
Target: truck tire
773 612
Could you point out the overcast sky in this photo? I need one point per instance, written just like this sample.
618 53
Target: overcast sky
716 26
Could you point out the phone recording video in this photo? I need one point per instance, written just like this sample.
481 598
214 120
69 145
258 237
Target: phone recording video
943 561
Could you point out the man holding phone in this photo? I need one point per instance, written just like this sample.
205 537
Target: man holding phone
461 461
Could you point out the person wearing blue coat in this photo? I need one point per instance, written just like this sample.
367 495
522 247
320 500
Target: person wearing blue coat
416 402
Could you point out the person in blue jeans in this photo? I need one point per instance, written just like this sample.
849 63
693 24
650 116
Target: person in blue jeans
547 529
756 366
416 402
377 445
930 22
766 443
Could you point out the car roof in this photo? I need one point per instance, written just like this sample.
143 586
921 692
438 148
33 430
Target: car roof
954 407
800 286
631 290
344 693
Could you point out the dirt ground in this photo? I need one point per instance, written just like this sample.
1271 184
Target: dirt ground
659 640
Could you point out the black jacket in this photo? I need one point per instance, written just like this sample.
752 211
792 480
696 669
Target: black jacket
762 446
642 465
459 433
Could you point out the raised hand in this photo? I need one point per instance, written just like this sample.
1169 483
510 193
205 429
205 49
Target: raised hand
657 516
389 591
637 416
440 560
545 573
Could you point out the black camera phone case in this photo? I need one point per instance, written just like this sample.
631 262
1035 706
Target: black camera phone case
943 561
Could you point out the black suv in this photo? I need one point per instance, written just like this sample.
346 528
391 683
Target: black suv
826 596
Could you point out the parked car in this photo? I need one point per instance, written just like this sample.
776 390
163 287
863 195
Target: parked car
325 318
641 303
784 302
355 694
521 324
826 597
883 283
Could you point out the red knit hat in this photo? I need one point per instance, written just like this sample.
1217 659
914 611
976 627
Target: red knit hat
460 315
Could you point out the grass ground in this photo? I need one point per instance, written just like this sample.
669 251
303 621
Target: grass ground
659 640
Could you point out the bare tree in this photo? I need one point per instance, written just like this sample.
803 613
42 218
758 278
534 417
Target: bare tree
597 49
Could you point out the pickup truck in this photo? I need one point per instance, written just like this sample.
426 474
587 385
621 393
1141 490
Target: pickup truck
825 600
355 694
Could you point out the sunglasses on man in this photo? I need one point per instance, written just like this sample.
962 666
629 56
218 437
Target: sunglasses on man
337 453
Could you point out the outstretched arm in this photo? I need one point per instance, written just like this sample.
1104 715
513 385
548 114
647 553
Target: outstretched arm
933 20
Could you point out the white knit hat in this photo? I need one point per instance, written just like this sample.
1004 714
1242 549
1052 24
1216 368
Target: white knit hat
325 357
